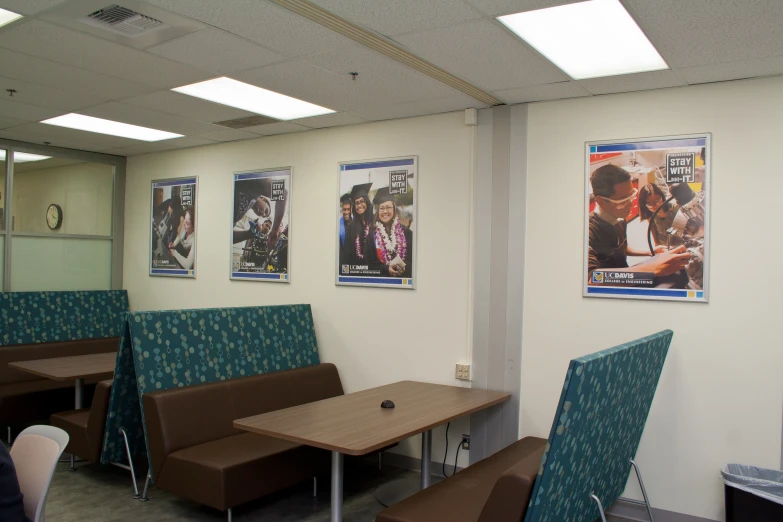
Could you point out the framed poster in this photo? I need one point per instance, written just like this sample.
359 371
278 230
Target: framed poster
173 234
261 225
376 223
646 226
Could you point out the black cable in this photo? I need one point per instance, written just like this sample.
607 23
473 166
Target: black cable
649 227
455 459
447 449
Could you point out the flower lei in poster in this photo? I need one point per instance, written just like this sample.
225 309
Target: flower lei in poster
359 242
387 247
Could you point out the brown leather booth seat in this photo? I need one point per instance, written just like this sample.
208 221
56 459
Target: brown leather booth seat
496 489
195 452
25 397
86 427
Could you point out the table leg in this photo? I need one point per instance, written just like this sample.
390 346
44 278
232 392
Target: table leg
426 458
79 394
337 486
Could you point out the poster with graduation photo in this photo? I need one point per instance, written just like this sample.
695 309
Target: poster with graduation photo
173 230
376 223
261 225
647 218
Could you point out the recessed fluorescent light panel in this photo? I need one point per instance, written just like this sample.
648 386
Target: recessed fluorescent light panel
6 17
587 39
22 157
113 128
251 98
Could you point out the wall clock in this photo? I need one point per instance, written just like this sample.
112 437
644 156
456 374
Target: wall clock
54 216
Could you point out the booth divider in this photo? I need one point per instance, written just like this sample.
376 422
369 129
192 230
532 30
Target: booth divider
50 317
174 348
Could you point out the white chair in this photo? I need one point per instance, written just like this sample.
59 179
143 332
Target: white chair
35 452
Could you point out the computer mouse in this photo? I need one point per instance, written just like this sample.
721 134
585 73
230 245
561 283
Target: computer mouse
387 404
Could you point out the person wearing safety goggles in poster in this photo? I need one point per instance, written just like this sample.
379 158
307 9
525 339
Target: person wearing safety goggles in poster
608 242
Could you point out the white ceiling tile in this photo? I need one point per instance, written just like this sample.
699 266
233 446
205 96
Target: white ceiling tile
450 104
485 54
400 16
632 82
721 72
62 137
159 146
216 51
392 112
504 7
186 106
23 111
46 96
50 74
262 22
330 120
121 112
323 79
10 122
228 135
282 127
700 32
96 54
551 91
28 7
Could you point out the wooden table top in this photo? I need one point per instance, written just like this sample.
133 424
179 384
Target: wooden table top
355 424
69 368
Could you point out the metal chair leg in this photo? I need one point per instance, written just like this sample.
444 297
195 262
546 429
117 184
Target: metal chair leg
130 463
315 487
644 491
229 515
9 435
600 507
144 497
72 468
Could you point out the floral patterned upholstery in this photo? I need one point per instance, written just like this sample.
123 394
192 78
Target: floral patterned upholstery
599 422
46 317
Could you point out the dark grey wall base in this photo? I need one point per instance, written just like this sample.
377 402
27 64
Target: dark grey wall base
413 464
639 513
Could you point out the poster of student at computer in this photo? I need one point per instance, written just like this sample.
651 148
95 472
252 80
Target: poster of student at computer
173 234
647 219
376 217
261 225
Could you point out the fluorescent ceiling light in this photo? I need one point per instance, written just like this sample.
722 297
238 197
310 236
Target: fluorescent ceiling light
22 157
113 128
251 98
587 39
6 17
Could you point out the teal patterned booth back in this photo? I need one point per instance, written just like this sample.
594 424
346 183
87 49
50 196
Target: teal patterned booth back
174 348
599 422
45 317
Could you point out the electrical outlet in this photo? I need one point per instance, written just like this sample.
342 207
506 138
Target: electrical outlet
465 442
463 372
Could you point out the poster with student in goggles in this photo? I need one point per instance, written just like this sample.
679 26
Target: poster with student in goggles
646 227
376 223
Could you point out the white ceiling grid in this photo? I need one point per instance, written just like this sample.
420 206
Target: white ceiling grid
56 70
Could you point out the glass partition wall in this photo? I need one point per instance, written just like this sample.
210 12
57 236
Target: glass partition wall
58 219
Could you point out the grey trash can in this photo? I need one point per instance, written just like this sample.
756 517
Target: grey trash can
752 494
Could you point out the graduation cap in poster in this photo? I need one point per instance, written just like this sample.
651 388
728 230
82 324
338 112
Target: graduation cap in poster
361 191
382 196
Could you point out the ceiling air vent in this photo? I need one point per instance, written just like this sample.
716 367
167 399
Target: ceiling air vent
124 21
133 22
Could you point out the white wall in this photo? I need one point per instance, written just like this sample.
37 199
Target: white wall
374 336
721 394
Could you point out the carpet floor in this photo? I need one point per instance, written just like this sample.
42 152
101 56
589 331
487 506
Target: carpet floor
104 493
